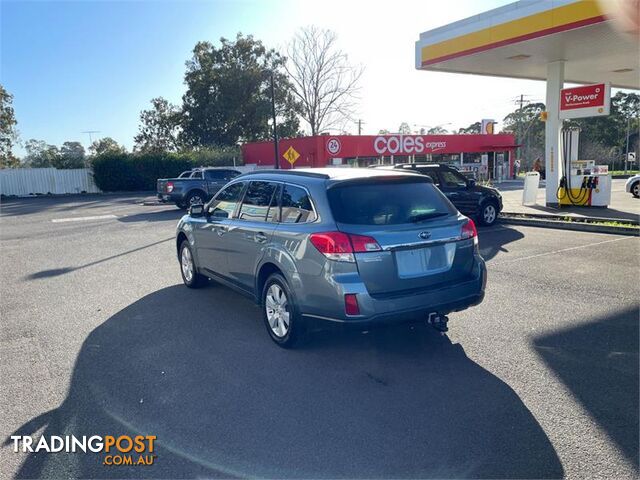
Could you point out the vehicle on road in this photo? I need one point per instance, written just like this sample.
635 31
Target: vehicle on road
356 247
476 201
198 187
632 185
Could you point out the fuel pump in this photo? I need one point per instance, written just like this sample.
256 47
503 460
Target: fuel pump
583 182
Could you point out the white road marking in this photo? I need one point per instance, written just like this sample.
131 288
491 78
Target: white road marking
83 219
561 250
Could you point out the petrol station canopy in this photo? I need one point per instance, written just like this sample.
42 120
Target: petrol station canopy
593 38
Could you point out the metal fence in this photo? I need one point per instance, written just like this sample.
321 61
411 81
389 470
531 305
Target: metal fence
34 181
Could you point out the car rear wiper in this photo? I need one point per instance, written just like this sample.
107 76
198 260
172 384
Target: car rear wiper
426 216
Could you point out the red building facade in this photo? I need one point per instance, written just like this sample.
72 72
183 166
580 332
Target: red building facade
487 156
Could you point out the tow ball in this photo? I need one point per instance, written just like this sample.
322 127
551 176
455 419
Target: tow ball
439 322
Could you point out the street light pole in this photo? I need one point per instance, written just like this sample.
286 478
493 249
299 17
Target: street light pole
626 155
275 126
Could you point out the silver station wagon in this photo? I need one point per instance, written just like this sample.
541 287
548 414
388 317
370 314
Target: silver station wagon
356 247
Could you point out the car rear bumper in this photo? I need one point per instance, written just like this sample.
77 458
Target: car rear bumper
405 308
167 198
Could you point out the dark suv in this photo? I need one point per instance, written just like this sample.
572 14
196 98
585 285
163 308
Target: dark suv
482 203
344 246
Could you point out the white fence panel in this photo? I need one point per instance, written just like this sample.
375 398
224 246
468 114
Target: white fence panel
33 181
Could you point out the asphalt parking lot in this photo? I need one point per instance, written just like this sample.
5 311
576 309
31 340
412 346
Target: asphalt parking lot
100 337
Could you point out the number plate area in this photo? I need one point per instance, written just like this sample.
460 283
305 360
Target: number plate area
419 262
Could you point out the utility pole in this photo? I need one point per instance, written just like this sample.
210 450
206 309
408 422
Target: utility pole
275 126
91 132
359 127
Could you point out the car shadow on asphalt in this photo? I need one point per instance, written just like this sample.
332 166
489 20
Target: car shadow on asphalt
492 240
155 216
598 362
56 272
197 369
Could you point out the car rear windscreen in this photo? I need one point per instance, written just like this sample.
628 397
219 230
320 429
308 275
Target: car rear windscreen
387 203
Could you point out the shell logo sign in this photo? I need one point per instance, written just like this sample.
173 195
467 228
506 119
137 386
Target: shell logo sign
405 145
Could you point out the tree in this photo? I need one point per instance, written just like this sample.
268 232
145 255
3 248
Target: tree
159 127
228 96
8 133
404 129
40 154
438 130
71 155
473 128
323 80
106 145
528 128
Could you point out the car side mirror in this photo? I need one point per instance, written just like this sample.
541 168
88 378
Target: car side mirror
471 183
196 210
219 213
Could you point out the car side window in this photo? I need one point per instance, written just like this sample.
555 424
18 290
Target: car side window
197 174
433 175
257 201
224 203
296 205
452 180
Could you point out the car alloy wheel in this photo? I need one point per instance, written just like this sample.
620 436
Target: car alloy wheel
489 214
195 200
187 265
276 307
635 190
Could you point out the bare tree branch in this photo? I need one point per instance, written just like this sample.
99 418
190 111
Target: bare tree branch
324 81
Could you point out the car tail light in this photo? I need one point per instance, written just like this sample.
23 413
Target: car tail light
469 231
341 246
362 243
169 187
351 306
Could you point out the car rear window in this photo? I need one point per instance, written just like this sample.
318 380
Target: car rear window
387 203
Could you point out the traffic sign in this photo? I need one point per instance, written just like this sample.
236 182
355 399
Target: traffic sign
291 155
334 146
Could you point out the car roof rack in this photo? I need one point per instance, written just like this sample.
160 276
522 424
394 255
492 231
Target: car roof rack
277 171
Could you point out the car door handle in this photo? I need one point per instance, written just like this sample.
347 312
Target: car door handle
220 230
260 237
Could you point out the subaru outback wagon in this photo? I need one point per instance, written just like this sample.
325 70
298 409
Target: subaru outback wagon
344 246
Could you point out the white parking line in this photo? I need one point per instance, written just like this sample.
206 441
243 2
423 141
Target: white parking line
553 252
83 219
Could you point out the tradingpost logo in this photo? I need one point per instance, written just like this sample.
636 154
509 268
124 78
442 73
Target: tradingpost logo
127 450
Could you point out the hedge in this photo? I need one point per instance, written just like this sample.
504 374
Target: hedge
128 172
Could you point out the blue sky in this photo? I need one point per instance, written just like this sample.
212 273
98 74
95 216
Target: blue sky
93 65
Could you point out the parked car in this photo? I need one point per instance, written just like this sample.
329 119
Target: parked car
482 203
356 247
198 187
633 186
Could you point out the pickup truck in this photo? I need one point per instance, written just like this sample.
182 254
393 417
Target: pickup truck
198 187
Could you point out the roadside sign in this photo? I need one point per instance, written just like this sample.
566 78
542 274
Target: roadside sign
291 155
631 157
334 146
586 101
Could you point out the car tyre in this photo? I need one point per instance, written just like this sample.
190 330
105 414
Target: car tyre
195 197
488 213
635 189
188 268
280 313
